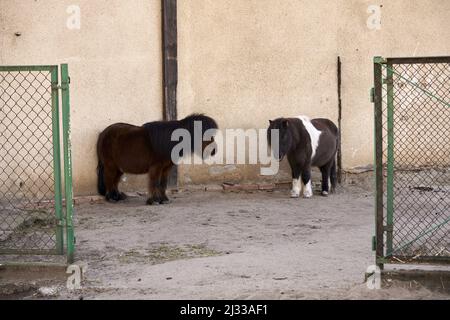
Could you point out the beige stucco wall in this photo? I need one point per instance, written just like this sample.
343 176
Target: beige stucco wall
245 62
408 28
241 61
114 61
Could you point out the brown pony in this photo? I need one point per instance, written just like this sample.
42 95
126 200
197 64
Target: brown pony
125 148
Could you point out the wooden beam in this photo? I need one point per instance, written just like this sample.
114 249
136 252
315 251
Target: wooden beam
170 58
339 153
170 68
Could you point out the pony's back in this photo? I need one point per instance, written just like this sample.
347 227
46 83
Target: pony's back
160 132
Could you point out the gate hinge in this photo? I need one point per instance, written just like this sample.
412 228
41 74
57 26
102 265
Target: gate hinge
62 86
60 222
388 228
388 81
372 95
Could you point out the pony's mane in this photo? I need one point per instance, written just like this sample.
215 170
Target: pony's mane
207 122
160 132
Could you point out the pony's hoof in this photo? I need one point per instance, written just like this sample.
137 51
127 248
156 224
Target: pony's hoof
324 193
295 194
122 196
307 196
155 200
115 196
164 200
112 197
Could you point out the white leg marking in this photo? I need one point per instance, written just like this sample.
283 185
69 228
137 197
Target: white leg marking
307 190
325 193
295 192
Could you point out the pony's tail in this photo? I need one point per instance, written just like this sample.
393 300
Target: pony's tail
101 188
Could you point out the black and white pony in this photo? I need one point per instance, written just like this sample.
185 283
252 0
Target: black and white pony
307 143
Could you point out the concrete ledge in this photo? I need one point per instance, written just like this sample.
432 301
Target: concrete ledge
248 187
432 277
359 176
32 271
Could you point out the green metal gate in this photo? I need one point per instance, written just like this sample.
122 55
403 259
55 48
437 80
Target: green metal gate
35 216
412 157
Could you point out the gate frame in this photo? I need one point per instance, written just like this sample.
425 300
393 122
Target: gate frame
63 220
377 98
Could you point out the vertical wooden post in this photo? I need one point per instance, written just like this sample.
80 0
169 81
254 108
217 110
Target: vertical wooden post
170 67
170 58
339 153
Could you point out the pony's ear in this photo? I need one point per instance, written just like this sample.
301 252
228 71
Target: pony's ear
285 123
270 121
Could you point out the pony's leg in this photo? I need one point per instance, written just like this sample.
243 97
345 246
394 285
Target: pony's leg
333 176
120 195
111 181
154 175
325 177
163 184
295 191
306 183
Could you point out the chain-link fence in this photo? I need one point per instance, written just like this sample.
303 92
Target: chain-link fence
412 128
31 206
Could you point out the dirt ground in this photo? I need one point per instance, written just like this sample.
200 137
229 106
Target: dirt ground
217 245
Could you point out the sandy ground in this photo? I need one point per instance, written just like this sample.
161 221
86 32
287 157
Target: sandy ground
216 245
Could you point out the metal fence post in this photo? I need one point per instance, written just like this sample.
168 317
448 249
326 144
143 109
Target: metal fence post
390 159
378 159
57 161
65 81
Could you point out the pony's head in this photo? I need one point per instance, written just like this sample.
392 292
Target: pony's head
285 138
207 125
